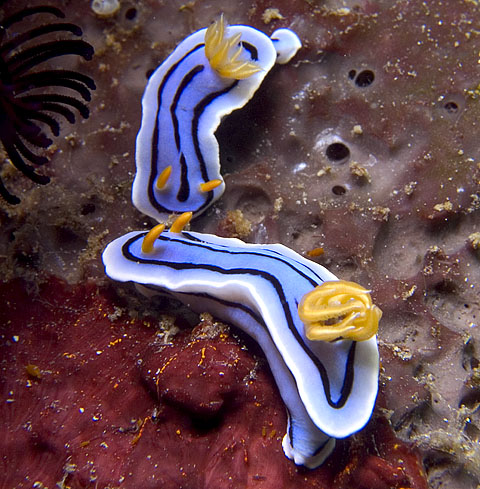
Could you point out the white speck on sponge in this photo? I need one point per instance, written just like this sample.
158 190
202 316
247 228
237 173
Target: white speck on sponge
105 8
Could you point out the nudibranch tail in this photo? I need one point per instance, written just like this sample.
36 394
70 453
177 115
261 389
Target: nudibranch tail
219 50
339 310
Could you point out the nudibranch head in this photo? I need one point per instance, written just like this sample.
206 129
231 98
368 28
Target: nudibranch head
177 227
222 55
339 310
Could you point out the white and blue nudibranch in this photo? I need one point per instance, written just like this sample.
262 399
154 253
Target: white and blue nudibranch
318 333
210 74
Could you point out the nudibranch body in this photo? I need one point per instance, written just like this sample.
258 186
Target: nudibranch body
329 385
210 74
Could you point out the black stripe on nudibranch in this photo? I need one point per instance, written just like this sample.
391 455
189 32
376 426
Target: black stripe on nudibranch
197 114
349 367
205 244
187 79
156 132
184 190
235 59
253 51
199 109
275 283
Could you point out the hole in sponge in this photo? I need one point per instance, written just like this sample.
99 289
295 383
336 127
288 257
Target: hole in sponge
365 78
131 13
337 152
339 190
451 107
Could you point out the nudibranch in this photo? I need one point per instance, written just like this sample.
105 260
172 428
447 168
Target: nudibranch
211 73
317 332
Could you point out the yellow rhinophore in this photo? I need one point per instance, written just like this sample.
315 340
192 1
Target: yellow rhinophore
150 238
177 227
180 222
163 177
210 185
339 310
218 50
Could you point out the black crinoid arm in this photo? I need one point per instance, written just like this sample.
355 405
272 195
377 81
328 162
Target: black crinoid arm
28 107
